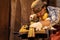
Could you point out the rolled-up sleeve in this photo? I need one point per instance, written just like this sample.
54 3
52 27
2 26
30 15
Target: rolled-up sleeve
53 17
53 14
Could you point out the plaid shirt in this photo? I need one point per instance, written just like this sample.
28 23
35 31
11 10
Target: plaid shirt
53 13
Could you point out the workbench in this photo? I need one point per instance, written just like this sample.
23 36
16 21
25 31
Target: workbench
30 33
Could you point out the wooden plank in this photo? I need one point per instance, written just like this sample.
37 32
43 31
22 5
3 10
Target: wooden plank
23 29
41 31
4 19
31 32
13 14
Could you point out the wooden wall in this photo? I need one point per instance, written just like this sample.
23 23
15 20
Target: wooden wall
20 11
52 2
4 19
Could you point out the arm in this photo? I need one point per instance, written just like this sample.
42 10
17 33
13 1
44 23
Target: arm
45 22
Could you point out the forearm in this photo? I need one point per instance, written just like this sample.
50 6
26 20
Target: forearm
45 22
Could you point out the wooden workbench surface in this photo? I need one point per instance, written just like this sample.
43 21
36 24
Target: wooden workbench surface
31 32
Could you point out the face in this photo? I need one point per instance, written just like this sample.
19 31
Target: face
36 9
41 13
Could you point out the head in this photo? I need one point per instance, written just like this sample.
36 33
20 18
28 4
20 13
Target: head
38 5
42 11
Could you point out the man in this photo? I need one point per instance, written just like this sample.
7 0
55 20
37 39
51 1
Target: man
39 7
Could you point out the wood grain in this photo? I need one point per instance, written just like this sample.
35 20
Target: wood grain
4 19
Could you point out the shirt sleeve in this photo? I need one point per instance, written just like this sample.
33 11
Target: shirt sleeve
53 17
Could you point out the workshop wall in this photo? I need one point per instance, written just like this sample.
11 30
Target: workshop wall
20 11
4 19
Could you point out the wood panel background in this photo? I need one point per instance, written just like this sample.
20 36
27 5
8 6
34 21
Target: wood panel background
4 19
20 11
52 2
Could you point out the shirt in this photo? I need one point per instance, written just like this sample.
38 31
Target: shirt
53 14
